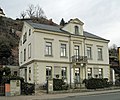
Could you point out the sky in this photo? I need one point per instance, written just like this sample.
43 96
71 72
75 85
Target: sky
100 17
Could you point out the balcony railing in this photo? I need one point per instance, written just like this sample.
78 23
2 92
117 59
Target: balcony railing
79 59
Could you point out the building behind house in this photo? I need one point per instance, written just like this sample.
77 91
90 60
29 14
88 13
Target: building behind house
2 13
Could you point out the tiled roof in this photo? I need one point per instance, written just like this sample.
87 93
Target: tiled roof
58 29
90 35
45 27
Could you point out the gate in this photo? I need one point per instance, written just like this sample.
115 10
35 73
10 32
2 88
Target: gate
2 90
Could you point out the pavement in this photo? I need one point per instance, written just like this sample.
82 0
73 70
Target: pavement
44 96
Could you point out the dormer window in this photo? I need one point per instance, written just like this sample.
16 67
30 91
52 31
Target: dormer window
76 30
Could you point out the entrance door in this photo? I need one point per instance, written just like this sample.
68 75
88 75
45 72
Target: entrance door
77 75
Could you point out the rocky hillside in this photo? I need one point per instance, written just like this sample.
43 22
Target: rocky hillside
10 32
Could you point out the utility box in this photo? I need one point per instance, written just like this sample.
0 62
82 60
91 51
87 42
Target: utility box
50 86
15 87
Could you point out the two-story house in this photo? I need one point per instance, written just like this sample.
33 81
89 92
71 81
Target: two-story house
67 52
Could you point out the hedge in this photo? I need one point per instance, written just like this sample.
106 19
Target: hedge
96 83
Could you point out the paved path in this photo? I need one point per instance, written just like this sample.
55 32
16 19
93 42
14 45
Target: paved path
52 96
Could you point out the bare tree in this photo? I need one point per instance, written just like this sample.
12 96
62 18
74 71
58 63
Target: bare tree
23 14
39 13
31 11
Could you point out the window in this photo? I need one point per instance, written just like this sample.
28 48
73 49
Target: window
77 75
89 53
63 50
24 54
100 73
89 71
64 72
48 48
29 51
48 72
76 30
96 71
21 57
29 32
25 37
99 53
76 50
29 73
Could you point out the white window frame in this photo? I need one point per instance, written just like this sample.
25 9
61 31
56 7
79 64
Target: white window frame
25 54
89 52
21 57
63 50
29 50
49 73
64 72
89 72
100 55
76 30
48 48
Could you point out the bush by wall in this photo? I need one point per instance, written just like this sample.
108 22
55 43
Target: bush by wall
96 83
117 82
59 84
27 88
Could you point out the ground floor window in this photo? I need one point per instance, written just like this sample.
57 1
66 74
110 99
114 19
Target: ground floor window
29 73
89 72
77 75
100 73
48 72
64 72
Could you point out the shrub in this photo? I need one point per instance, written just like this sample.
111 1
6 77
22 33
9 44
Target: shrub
27 88
95 83
117 82
59 84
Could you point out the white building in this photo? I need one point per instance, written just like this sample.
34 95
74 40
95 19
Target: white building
70 53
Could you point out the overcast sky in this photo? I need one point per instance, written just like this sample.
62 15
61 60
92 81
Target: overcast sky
100 17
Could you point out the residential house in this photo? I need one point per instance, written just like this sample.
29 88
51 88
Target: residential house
68 52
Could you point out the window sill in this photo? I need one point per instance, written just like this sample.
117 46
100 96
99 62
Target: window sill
90 58
63 57
100 59
48 55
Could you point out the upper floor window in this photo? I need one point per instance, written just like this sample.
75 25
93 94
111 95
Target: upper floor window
24 54
89 53
48 48
21 57
99 53
29 50
25 37
29 32
76 30
63 50
76 50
